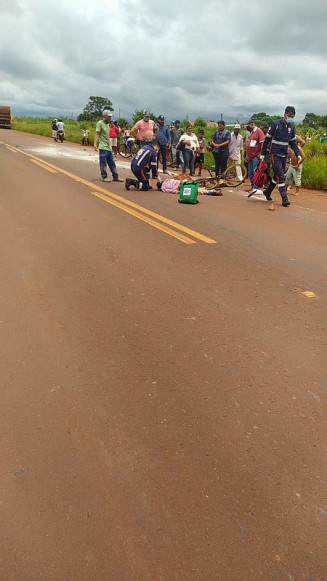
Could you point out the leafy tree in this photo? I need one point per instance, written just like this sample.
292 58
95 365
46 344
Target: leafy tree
311 119
199 123
258 118
93 110
121 122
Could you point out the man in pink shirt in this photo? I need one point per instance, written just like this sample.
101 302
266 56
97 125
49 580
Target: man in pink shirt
253 151
145 130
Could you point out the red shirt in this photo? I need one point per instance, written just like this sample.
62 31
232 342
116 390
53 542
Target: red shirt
114 131
254 143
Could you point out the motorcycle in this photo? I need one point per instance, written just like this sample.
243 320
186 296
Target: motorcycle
60 135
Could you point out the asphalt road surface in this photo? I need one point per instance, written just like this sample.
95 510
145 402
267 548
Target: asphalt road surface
163 378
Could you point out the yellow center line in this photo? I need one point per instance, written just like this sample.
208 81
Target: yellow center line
11 148
43 166
146 219
172 223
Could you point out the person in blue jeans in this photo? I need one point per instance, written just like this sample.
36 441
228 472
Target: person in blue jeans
220 148
189 145
253 151
164 140
102 144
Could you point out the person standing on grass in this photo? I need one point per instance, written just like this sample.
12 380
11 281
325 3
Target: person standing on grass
294 172
324 138
235 149
220 142
253 151
281 134
102 139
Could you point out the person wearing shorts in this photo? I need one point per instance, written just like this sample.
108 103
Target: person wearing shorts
114 132
294 172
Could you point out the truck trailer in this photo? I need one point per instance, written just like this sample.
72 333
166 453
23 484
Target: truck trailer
5 117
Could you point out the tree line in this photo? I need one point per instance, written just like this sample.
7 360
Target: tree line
94 108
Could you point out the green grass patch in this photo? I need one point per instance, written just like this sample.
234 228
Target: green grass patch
314 173
42 126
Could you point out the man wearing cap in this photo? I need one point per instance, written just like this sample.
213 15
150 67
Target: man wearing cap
102 144
163 138
280 135
235 149
145 130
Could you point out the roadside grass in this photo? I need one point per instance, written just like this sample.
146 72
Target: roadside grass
314 166
314 173
42 126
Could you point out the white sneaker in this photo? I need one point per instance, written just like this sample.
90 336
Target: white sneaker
258 192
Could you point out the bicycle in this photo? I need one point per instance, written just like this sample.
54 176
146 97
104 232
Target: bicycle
209 182
128 148
234 175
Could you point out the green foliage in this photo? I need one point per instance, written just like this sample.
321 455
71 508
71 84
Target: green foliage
314 121
121 122
93 110
258 118
310 119
199 123
315 171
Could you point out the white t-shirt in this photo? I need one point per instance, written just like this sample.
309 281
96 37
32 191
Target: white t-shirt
194 144
60 126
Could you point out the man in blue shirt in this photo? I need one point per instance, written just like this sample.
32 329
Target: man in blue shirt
163 139
281 134
145 159
220 151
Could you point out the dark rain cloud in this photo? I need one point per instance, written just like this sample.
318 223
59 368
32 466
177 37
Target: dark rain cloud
177 57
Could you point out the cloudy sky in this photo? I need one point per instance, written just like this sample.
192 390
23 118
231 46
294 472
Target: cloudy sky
177 57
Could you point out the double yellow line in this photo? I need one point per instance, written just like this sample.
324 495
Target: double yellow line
152 218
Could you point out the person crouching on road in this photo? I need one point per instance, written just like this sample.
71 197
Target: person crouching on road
102 139
144 161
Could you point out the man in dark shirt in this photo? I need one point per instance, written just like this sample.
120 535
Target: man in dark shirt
281 134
